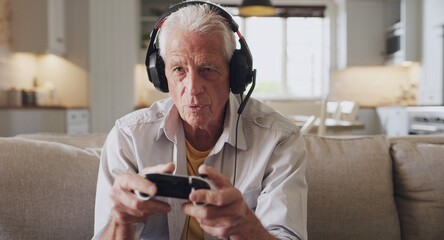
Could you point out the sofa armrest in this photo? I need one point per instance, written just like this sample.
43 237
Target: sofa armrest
48 190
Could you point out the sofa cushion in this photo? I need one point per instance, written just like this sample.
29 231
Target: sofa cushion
350 189
47 190
419 189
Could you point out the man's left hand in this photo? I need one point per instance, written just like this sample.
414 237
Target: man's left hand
226 213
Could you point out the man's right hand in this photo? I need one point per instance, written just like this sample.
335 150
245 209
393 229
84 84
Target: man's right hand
127 208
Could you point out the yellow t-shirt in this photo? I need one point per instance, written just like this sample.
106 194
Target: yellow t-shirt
195 158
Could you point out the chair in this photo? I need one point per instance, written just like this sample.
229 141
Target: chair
343 110
333 110
348 111
308 124
339 111
316 113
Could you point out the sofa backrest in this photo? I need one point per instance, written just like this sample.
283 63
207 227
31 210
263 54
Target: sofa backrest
350 189
91 140
47 190
360 186
418 166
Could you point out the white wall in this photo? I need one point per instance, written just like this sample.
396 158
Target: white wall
431 87
113 57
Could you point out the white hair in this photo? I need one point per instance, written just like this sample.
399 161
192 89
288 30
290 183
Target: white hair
199 18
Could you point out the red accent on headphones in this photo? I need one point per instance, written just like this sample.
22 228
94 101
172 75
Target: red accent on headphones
161 23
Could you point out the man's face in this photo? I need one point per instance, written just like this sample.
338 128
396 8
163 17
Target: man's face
197 74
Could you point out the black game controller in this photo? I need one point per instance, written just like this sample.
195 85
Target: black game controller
175 186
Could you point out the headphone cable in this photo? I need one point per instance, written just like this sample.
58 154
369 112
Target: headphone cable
235 145
239 112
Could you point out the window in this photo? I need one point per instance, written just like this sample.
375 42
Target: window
291 52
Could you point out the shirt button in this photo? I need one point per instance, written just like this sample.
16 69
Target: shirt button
259 120
159 115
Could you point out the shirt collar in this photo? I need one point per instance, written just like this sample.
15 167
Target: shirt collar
229 132
171 124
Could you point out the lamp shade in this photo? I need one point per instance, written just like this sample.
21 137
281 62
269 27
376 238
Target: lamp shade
259 8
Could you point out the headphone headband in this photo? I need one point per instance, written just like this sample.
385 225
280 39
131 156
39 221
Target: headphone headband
233 25
241 63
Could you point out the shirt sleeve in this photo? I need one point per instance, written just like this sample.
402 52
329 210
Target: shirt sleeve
282 205
115 159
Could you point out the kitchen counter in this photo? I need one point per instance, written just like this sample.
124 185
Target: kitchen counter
52 119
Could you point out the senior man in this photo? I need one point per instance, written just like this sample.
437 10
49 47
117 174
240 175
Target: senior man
202 129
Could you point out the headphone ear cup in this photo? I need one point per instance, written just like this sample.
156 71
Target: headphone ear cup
240 72
163 83
156 72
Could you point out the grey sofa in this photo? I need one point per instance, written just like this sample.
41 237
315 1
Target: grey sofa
359 187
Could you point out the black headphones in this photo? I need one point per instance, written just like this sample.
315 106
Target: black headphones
241 63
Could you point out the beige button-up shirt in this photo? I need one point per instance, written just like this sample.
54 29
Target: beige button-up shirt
270 171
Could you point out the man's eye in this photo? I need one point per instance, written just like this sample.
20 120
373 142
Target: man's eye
208 69
178 69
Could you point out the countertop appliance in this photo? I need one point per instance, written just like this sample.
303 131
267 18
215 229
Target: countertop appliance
426 120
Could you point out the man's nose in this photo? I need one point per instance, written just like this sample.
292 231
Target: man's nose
194 83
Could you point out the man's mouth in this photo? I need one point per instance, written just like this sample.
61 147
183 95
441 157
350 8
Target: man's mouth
196 106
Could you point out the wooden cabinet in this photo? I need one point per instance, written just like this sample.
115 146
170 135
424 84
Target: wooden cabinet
15 121
360 33
38 26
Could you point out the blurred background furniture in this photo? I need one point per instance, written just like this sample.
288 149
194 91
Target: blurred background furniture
299 107
342 110
321 117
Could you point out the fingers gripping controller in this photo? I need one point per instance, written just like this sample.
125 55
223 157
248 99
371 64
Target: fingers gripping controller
175 186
